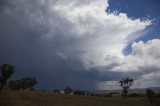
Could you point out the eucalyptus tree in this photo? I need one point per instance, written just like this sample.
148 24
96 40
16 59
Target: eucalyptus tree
126 84
6 71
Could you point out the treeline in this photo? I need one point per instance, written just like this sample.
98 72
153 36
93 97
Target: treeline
68 90
24 83
6 71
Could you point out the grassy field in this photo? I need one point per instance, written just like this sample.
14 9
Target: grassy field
24 98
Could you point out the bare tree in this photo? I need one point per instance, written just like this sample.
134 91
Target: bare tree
126 84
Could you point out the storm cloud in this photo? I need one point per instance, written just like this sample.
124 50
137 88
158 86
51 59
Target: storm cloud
73 43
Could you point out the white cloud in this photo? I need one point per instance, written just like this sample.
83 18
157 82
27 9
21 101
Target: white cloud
144 55
95 32
144 59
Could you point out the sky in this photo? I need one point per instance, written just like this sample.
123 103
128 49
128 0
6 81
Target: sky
87 45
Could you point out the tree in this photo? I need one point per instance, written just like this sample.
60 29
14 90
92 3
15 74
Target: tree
56 91
6 71
150 95
68 90
28 82
25 83
126 84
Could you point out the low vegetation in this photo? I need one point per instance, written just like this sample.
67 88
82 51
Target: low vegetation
35 98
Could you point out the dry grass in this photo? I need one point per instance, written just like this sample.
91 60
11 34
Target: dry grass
22 98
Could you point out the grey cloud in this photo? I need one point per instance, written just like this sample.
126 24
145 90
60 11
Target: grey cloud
23 44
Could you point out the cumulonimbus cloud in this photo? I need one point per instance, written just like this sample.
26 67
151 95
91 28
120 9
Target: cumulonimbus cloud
78 35
96 32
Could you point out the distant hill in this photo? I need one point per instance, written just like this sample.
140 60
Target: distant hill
155 89
135 90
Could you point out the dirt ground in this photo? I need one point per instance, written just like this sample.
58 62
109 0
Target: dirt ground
24 98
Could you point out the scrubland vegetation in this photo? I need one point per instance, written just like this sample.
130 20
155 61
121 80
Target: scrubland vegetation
35 98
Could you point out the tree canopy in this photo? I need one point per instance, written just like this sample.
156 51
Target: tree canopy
126 84
25 83
6 71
